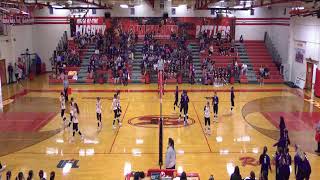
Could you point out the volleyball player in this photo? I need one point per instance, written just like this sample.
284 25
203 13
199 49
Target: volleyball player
215 103
185 108
232 98
63 107
181 105
99 111
207 118
71 109
75 126
116 110
176 97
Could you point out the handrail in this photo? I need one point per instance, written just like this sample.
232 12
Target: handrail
272 50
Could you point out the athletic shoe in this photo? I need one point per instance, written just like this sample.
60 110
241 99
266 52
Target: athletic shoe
113 127
82 137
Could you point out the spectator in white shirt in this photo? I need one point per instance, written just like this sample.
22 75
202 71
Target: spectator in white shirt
170 155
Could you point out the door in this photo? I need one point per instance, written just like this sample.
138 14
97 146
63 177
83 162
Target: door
3 73
309 75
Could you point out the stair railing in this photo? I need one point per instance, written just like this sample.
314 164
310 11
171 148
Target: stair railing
276 58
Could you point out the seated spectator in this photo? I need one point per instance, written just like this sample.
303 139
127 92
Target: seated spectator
252 176
244 69
236 174
41 175
211 177
266 72
183 176
30 175
52 175
210 51
20 176
8 175
139 175
241 39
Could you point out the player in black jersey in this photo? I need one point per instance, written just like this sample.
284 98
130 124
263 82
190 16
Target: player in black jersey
176 98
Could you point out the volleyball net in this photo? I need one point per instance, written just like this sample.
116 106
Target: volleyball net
160 91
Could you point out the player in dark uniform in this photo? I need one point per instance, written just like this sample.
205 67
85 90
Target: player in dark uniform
181 105
215 104
232 98
264 161
185 107
176 98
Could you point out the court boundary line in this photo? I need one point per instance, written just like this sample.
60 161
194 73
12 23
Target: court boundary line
114 140
201 127
156 90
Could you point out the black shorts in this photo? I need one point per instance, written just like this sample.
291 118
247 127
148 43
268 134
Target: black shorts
215 109
62 112
119 111
115 113
185 110
175 102
75 126
99 116
207 121
181 108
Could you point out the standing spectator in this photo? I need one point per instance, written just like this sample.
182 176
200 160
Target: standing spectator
10 72
183 176
16 72
302 168
236 174
318 137
20 176
264 161
241 39
170 155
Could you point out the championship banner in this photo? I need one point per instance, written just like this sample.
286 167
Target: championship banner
161 27
300 48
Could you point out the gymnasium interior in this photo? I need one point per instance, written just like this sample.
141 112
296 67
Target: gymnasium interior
156 71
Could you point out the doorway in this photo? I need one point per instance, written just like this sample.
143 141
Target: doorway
3 73
309 76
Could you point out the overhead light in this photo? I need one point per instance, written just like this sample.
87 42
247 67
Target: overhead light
56 6
125 6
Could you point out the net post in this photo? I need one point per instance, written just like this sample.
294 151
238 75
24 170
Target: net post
160 88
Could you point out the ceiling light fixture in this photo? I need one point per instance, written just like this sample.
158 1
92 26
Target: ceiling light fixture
125 6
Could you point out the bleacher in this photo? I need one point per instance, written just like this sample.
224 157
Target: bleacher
259 56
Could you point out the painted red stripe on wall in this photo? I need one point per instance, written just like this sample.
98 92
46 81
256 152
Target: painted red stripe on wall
261 24
51 22
262 18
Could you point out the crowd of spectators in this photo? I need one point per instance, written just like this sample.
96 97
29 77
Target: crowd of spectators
114 51
172 58
30 176
211 72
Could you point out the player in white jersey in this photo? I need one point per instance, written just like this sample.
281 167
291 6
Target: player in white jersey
116 110
99 111
75 126
63 107
71 110
207 118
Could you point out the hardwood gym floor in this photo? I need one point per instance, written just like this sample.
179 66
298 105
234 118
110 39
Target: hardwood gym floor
31 135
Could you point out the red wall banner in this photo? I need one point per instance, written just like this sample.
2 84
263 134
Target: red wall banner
161 27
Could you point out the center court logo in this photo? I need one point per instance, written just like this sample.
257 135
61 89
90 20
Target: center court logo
152 121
